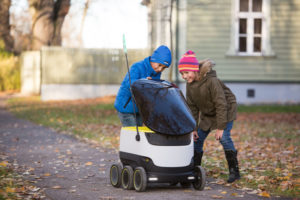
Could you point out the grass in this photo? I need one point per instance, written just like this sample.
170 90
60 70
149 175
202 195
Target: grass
267 138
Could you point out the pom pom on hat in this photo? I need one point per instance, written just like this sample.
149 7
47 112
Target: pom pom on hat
188 62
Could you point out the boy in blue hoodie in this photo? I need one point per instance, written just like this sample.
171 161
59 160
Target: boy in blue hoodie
150 68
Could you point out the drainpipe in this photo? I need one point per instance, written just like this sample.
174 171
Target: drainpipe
176 43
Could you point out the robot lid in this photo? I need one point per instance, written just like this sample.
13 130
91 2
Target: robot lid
163 107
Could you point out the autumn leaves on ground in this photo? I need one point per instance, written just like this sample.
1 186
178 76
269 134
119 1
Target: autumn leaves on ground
267 140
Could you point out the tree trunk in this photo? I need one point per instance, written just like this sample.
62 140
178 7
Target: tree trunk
47 20
5 26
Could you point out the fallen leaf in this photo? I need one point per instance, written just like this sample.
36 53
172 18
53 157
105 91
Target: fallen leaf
284 185
250 177
246 189
34 189
31 169
21 189
217 197
297 180
264 194
261 178
277 170
10 190
4 163
56 187
220 182
47 174
253 192
224 192
88 163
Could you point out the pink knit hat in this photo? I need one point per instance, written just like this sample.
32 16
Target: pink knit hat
188 62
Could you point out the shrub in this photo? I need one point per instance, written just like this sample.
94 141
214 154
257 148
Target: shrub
10 78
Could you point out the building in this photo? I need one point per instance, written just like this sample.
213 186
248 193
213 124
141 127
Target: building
255 43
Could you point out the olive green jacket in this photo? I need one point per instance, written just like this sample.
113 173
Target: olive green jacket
212 100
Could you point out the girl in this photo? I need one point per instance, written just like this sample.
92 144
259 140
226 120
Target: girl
210 99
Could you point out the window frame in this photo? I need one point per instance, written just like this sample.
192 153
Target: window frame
264 15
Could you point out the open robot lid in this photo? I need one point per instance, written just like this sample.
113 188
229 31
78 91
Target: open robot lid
163 107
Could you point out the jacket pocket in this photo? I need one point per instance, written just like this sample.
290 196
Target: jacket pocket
127 102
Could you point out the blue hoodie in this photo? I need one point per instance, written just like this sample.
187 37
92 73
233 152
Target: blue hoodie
139 70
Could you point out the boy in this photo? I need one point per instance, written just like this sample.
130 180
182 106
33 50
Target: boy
150 68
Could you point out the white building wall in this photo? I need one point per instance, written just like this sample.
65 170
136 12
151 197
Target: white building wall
264 93
30 72
76 91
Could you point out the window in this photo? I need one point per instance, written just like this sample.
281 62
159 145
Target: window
251 93
250 28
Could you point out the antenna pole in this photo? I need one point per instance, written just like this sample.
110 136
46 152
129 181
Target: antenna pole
137 137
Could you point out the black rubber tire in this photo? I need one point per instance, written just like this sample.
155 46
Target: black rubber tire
127 177
140 179
115 175
200 178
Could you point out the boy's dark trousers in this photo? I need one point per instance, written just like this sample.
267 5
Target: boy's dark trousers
197 158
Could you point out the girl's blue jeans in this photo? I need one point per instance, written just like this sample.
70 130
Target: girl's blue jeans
226 140
128 119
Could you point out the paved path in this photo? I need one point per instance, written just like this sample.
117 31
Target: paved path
67 168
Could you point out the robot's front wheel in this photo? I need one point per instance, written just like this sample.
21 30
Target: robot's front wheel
115 174
139 179
200 178
127 177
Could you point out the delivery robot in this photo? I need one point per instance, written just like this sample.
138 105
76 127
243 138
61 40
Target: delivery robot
162 150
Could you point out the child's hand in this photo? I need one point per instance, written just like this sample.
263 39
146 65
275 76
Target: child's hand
219 134
149 78
195 135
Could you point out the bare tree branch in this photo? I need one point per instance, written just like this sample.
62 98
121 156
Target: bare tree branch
86 7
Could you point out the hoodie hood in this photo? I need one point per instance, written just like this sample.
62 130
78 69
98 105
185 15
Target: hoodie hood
205 67
162 55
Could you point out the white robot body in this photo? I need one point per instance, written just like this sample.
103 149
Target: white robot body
162 156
